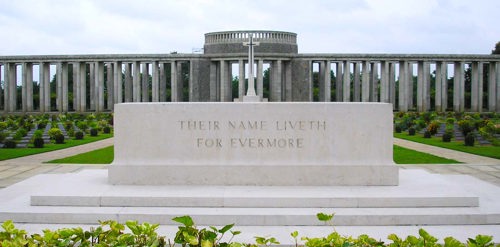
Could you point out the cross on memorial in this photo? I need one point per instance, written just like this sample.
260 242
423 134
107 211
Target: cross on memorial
251 84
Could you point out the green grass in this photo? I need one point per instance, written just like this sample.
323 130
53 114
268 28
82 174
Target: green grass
6 153
98 156
488 151
401 156
408 156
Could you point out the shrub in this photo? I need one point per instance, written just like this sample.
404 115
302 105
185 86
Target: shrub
38 133
450 121
20 134
433 127
469 139
411 131
10 144
3 126
41 125
38 142
398 128
466 126
427 134
68 125
53 132
3 135
78 135
447 136
59 138
106 129
82 126
93 132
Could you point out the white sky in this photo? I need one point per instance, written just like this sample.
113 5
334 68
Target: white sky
323 26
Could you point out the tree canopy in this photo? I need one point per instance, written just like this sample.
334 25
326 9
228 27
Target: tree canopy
497 49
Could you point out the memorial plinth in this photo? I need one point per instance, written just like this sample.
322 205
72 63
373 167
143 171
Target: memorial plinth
253 144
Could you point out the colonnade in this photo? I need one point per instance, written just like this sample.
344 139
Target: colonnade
409 82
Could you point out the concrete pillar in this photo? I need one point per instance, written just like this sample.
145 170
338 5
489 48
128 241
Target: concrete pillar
62 86
287 65
99 74
420 87
458 87
374 82
10 83
225 81
214 85
41 82
92 86
498 85
441 86
155 83
477 87
260 79
365 89
110 86
403 84
392 85
357 82
145 82
276 82
173 82
163 82
128 83
180 81
117 85
492 87
410 86
76 87
82 77
27 87
136 82
2 88
339 82
241 79
346 95
325 81
384 82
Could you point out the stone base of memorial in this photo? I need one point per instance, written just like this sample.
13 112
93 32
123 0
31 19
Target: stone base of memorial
262 144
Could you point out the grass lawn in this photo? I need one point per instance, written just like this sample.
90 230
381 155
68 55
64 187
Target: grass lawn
98 156
488 151
401 156
6 153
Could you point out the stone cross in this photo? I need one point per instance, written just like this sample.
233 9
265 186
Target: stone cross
251 84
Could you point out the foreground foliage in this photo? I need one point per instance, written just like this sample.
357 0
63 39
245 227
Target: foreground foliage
112 233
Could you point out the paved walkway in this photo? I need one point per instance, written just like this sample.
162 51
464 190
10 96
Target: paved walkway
15 170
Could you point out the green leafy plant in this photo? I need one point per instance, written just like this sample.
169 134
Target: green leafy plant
59 138
9 144
469 139
38 142
411 131
447 135
189 235
53 132
78 135
93 132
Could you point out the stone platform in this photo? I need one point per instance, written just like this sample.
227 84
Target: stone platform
420 199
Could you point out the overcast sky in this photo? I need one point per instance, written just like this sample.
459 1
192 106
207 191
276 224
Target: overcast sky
323 26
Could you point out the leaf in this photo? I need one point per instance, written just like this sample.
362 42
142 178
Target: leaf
452 242
206 243
324 217
294 234
226 228
235 232
185 220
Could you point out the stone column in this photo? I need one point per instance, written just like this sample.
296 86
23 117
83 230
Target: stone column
392 85
384 82
410 84
458 89
99 73
357 82
163 83
145 82
325 81
441 86
173 82
241 79
155 83
374 82
82 77
10 84
498 85
477 87
420 87
136 81
346 96
128 82
276 82
27 87
118 83
110 86
492 87
339 82
260 79
62 86
92 86
76 87
2 88
180 81
365 90
403 84
45 79
287 65
214 85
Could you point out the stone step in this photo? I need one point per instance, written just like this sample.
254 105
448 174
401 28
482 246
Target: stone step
463 200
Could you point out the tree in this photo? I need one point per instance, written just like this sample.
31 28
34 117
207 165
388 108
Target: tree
497 49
